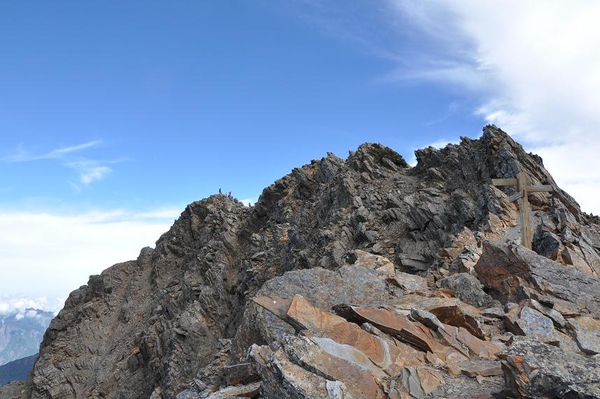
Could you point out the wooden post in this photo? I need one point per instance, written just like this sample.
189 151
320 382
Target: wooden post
524 210
523 188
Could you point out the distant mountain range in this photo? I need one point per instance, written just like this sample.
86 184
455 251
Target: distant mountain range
16 370
21 333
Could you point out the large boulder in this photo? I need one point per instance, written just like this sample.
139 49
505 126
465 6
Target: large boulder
511 273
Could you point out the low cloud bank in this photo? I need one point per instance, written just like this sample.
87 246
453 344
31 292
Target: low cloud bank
48 255
27 307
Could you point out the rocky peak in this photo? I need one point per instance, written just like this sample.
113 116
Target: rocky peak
348 278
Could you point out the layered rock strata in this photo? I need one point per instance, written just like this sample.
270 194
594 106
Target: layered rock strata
348 278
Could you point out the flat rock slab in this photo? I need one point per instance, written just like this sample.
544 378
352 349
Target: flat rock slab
303 350
450 311
373 350
326 288
276 305
476 346
479 367
335 335
587 334
397 325
533 323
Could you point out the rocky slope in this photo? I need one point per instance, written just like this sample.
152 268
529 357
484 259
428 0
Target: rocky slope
349 278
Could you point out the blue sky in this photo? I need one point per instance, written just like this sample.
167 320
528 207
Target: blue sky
116 114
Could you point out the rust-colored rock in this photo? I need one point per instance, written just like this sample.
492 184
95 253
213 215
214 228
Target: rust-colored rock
278 306
478 367
450 311
336 328
396 325
459 315
476 346
311 318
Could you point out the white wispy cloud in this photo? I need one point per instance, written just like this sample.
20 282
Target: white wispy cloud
23 155
88 170
61 152
19 305
50 254
535 66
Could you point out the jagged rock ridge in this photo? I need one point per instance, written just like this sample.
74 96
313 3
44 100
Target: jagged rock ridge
349 278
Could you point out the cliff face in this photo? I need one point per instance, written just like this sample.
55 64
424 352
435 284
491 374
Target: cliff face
239 301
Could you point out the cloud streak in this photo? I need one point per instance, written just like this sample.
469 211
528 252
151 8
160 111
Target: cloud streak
62 152
88 170
23 155
535 67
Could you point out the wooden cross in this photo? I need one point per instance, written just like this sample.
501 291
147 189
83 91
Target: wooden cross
523 188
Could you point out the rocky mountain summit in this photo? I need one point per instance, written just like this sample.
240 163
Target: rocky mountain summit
356 278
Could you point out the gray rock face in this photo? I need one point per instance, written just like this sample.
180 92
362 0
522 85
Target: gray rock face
538 370
337 267
587 334
468 289
512 273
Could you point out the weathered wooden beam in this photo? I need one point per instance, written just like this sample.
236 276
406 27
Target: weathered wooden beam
504 182
522 185
530 189
540 188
